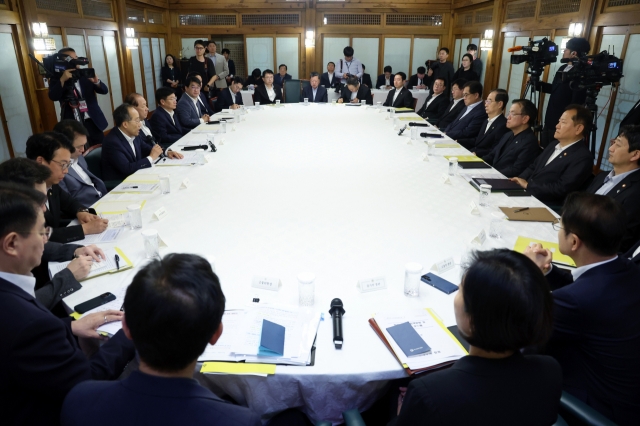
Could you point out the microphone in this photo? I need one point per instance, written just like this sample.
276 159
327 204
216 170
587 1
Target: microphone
412 124
514 49
337 311
150 139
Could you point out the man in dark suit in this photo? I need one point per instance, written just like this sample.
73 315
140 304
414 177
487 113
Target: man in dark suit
623 182
355 92
417 81
493 128
366 78
269 92
440 69
596 333
169 340
567 165
191 110
282 76
164 123
40 360
204 102
80 183
314 92
231 98
561 93
230 64
517 148
83 92
632 117
124 150
385 80
466 126
328 79
436 104
399 97
633 254
53 150
455 107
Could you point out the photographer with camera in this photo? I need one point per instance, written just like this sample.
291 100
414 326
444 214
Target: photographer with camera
76 90
561 92
349 66
440 69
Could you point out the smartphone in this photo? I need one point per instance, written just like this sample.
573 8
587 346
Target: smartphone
94 303
213 122
439 283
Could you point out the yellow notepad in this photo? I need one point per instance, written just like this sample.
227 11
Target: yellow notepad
523 242
238 368
447 145
404 109
116 207
142 178
464 158
411 118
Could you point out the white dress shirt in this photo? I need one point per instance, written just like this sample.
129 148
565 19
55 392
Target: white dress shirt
433 98
395 97
144 128
24 282
195 105
582 269
271 93
170 112
612 180
314 93
491 120
558 150
354 67
455 102
133 148
637 252
469 108
330 74
83 175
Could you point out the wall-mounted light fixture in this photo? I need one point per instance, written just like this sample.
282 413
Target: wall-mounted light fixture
132 41
575 29
310 41
486 43
42 43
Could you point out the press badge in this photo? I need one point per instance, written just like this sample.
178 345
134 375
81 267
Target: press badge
82 106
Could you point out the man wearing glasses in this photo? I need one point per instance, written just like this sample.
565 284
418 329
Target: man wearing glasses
53 150
124 150
494 127
467 125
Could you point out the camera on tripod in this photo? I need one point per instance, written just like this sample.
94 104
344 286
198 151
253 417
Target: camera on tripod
58 63
538 53
588 71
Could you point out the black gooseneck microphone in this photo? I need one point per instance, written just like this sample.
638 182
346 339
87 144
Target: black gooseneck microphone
151 140
337 311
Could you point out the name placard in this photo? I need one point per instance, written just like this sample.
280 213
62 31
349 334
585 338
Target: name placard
371 284
473 208
480 238
424 157
445 179
185 183
160 214
266 283
444 265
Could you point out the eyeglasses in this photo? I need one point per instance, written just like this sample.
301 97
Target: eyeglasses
465 95
514 113
556 226
488 101
136 120
199 48
46 234
64 166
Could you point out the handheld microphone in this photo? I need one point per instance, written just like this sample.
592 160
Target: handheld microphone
514 49
402 130
337 311
152 141
413 124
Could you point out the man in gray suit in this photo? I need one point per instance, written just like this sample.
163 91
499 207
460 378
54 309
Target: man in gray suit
80 183
222 67
191 111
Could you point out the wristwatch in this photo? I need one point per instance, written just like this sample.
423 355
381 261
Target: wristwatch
84 210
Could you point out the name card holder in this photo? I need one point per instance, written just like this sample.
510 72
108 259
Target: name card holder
185 183
371 284
443 265
445 179
160 214
266 283
424 157
480 238
473 208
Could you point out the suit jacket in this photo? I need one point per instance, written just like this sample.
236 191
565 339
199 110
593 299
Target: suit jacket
260 95
566 173
165 130
118 160
513 154
465 129
627 193
84 193
449 114
62 205
474 388
404 99
364 93
632 117
444 71
436 109
51 291
476 66
381 81
89 91
279 80
40 360
469 75
324 80
561 96
157 400
186 112
485 141
629 254
232 67
366 80
225 99
413 81
321 94
596 337
222 71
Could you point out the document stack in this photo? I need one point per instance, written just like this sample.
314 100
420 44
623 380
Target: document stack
442 347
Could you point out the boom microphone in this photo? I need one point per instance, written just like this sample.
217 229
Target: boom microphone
514 49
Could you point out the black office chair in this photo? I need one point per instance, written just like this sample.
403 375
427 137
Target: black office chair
292 91
580 414
93 156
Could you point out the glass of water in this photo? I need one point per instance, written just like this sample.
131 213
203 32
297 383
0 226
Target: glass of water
496 229
485 191
277 102
306 289
431 147
414 133
151 249
363 103
135 216
379 105
223 127
257 105
412 272
453 166
306 101
165 184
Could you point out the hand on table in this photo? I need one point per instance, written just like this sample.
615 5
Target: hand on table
340 100
88 324
234 106
206 118
86 217
523 183
174 154
93 251
540 256
355 101
97 226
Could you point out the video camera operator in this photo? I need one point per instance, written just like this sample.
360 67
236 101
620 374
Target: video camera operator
561 93
77 95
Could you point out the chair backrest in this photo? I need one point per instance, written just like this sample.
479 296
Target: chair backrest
93 155
292 91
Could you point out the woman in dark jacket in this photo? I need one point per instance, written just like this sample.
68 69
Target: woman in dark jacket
171 74
465 70
203 66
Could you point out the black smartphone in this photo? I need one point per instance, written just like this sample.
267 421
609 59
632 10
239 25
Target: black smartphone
439 283
213 122
94 303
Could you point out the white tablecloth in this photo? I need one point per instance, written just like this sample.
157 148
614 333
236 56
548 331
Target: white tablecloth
247 97
288 193
381 96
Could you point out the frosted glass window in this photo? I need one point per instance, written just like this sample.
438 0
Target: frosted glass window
615 42
99 63
367 52
137 71
423 49
553 68
457 53
187 47
114 74
505 65
163 51
396 53
628 90
157 68
13 98
260 53
145 48
59 45
287 49
77 43
332 50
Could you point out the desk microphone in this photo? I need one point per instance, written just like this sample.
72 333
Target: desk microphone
419 125
337 311
150 140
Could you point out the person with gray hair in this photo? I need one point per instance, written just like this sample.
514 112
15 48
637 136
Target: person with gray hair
314 92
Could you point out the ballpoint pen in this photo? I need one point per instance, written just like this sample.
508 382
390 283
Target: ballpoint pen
521 210
117 262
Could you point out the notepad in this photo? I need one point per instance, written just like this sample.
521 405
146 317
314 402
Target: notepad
143 178
408 339
109 235
106 266
116 207
523 242
240 368
464 158
529 214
